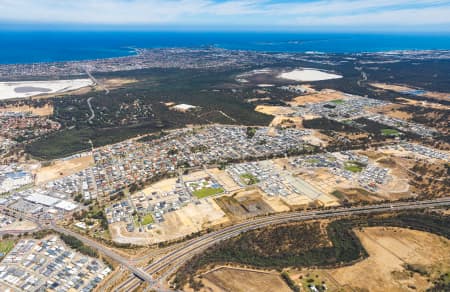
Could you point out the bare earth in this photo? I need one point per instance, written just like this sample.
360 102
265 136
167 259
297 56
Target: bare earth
114 83
281 120
322 96
422 103
274 110
23 225
392 110
400 88
224 179
62 168
46 110
242 280
179 223
389 250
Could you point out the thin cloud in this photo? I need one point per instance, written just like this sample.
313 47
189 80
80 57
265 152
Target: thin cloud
251 13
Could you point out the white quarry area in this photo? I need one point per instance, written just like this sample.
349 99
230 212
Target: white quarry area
23 89
308 75
183 107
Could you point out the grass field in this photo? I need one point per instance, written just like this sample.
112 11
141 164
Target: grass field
206 192
337 101
353 166
390 132
249 179
6 245
147 219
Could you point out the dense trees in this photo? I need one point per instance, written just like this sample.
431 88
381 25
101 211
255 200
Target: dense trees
76 244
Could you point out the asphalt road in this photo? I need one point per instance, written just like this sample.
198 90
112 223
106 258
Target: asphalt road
174 259
178 255
108 252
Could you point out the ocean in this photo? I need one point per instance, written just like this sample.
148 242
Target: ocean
45 46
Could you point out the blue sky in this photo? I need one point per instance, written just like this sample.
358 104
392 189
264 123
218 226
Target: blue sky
301 15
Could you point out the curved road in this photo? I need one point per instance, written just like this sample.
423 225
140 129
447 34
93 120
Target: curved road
91 109
90 98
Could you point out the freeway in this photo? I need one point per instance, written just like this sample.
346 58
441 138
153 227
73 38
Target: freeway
176 258
96 81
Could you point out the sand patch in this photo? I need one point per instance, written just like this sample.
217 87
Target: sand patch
274 110
308 75
321 96
177 224
410 90
224 179
46 110
389 250
423 103
245 280
62 168
165 185
114 83
287 122
392 110
17 225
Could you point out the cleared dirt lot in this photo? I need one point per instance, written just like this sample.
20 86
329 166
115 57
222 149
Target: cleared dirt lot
390 250
224 179
242 280
23 225
401 88
274 110
422 103
62 168
244 204
321 96
191 218
392 110
165 185
114 83
46 110
286 121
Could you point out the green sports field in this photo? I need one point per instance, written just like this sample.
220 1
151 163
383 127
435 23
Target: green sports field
206 192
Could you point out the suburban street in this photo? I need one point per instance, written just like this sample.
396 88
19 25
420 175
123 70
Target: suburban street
108 252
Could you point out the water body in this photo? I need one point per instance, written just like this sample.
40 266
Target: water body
40 46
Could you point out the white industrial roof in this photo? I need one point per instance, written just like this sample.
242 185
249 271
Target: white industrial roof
42 199
66 205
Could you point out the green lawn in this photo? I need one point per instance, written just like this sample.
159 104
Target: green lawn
147 219
6 245
353 166
249 179
390 132
337 101
206 192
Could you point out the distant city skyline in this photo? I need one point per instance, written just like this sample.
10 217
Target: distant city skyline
263 15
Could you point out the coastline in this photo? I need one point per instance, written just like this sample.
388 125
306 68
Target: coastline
91 46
